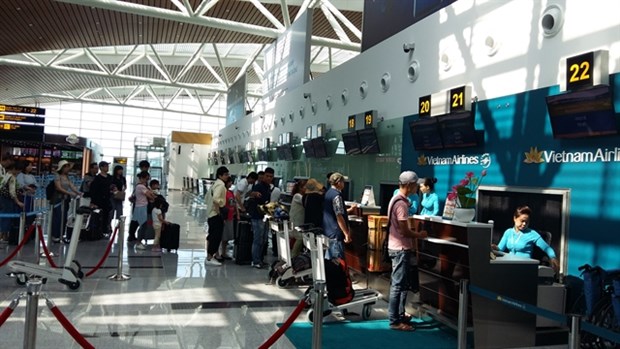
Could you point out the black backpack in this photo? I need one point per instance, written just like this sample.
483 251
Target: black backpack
50 190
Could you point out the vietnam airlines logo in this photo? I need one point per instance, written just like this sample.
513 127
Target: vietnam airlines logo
533 156
422 160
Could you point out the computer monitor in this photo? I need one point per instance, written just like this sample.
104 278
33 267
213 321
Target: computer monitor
351 143
457 130
320 147
308 149
289 186
425 134
386 192
583 113
369 144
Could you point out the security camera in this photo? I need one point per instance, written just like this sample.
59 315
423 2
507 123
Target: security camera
236 127
306 95
408 47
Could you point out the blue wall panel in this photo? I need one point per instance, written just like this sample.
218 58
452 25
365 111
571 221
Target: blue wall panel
513 127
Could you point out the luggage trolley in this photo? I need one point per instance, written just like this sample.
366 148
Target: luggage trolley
281 230
316 242
70 273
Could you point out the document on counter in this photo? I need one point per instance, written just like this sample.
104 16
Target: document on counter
447 241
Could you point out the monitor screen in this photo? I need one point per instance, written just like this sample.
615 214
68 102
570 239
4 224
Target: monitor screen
243 157
351 143
369 144
234 159
308 149
457 130
215 160
262 155
320 147
425 134
386 192
585 113
285 152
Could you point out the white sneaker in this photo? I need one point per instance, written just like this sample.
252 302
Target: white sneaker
213 262
140 246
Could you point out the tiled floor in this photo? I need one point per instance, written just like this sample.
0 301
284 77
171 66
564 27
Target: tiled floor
171 301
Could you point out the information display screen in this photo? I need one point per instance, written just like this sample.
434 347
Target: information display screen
425 134
351 143
308 149
583 113
457 130
262 155
285 152
369 144
320 147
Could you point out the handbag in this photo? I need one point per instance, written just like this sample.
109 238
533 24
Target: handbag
119 195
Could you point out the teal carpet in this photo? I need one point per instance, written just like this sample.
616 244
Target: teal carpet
369 334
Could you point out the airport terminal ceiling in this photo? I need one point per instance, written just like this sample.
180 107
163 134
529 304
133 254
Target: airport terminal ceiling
111 52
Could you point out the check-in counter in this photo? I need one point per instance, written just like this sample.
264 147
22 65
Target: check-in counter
455 251
356 253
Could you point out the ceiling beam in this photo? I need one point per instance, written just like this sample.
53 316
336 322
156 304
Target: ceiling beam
101 74
178 16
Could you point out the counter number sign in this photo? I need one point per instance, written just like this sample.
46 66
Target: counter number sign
457 99
425 106
369 119
351 123
579 71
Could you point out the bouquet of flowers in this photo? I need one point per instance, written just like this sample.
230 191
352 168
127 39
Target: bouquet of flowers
464 193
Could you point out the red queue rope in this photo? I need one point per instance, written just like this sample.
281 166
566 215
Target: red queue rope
19 247
45 250
69 327
5 315
105 255
274 337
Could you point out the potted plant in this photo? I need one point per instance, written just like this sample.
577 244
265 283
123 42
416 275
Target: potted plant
464 195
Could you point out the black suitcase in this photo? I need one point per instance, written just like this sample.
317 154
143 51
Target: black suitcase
242 252
170 236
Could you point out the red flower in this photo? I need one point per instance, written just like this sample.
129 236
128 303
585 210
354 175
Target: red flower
464 192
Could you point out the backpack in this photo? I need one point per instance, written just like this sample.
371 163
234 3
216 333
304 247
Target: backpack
50 190
338 281
385 254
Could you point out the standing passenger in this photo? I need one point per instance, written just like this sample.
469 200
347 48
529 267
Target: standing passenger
260 195
139 215
119 181
216 202
335 218
400 247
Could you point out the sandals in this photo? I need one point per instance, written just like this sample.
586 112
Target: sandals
406 318
402 327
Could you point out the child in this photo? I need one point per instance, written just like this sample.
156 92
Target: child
158 220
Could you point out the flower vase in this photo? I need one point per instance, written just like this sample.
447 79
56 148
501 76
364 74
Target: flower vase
464 215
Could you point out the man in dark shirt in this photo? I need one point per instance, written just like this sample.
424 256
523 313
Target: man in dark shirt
335 218
260 195
101 195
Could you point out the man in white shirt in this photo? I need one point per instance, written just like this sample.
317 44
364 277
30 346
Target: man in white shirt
243 189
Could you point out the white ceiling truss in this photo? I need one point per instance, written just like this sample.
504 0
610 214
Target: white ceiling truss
185 13
200 72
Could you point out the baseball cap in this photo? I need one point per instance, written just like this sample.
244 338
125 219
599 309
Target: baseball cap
408 177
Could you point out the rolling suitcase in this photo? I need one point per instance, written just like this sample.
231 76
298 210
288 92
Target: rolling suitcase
170 236
242 252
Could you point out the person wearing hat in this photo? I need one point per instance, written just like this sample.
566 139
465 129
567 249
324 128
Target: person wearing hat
400 248
64 191
312 201
101 191
335 218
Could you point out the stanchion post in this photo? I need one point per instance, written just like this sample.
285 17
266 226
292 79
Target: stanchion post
462 320
317 321
575 327
32 309
37 240
22 226
119 276
48 227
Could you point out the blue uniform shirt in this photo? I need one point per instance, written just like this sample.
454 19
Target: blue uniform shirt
430 204
522 243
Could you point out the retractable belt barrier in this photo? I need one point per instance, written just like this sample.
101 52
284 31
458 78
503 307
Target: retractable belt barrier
561 318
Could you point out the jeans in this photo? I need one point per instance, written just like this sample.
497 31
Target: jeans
335 249
216 229
117 208
258 243
400 280
7 205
